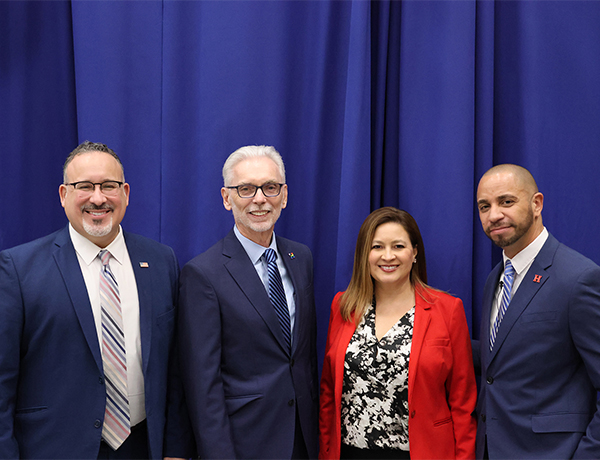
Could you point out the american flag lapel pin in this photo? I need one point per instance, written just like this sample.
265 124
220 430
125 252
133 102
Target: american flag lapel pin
144 265
292 255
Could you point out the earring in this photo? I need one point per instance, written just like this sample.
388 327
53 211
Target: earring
415 261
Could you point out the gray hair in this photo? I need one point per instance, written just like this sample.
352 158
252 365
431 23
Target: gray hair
88 146
251 151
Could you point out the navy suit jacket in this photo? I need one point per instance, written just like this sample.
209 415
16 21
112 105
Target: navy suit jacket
242 386
52 392
539 384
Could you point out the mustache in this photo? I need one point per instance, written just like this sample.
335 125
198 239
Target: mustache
94 207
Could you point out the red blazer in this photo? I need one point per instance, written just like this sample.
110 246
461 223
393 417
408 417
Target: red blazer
441 381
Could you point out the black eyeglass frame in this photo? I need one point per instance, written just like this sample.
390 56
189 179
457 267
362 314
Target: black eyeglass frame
100 184
256 187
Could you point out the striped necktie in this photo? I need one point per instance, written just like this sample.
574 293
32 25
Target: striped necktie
116 426
509 275
277 295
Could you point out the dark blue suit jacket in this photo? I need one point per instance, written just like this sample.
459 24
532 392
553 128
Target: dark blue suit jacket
52 393
242 386
538 386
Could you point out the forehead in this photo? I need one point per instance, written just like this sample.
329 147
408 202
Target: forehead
257 171
390 231
92 165
499 185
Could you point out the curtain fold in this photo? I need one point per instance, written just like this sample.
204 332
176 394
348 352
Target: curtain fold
370 103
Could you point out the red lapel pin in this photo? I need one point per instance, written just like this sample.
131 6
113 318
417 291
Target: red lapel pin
537 278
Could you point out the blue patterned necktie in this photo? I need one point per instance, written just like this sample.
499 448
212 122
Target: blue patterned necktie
116 426
277 295
509 275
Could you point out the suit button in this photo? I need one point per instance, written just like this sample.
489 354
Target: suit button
292 362
483 418
97 424
490 380
291 402
412 414
101 380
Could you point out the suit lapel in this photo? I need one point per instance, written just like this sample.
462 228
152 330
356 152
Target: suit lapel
528 288
240 267
68 265
143 281
293 268
421 324
488 298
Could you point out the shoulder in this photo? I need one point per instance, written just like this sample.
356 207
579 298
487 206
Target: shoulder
37 247
439 299
285 244
148 246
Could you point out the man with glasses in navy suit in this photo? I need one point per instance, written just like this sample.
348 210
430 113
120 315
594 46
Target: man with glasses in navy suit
247 325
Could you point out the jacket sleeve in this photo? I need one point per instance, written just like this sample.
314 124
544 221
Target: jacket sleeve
200 360
460 386
11 323
327 411
179 439
584 318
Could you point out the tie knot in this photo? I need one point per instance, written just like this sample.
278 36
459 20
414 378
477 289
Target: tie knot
270 255
104 256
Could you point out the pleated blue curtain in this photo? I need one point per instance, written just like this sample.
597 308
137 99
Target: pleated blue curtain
370 103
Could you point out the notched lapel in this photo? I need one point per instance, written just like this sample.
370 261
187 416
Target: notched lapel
240 267
143 272
527 290
68 265
421 324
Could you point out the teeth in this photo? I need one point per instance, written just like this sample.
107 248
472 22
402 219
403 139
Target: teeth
259 213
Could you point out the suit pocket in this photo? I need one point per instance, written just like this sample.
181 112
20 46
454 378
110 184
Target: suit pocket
557 423
443 421
30 410
539 316
235 403
165 317
437 342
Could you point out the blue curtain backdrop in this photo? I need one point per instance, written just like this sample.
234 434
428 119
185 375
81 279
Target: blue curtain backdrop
370 103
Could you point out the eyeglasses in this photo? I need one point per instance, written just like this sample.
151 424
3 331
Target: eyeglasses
270 189
108 187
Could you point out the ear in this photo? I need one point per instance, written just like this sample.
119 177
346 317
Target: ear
538 204
284 191
225 195
126 191
62 193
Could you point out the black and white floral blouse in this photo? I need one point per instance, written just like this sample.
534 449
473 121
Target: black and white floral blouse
375 389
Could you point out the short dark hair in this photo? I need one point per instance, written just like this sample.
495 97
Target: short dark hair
88 146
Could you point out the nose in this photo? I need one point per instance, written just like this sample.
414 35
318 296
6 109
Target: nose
259 197
495 213
97 197
388 254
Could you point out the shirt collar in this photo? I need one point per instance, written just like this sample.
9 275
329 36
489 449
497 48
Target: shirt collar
88 251
524 258
254 250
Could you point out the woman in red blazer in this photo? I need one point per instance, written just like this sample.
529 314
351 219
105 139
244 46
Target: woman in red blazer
398 378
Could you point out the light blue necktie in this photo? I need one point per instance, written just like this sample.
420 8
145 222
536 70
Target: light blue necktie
277 296
509 275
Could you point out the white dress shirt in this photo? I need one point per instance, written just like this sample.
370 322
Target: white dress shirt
120 266
521 263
